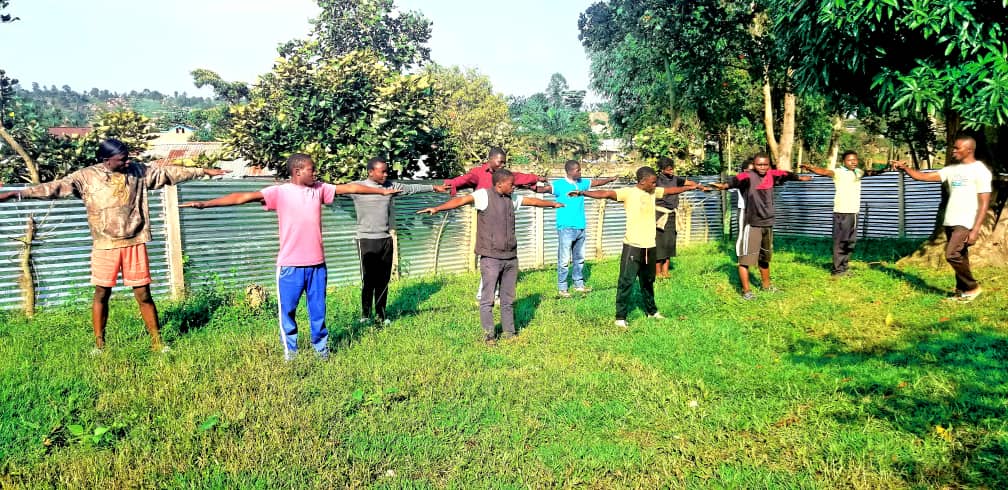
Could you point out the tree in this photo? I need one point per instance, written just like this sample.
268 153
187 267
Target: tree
5 17
230 92
685 53
476 118
958 71
341 112
344 26
552 125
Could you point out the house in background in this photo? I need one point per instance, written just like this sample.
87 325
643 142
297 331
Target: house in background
185 153
175 134
608 147
68 131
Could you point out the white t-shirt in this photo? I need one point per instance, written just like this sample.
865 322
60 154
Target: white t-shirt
847 198
481 199
965 181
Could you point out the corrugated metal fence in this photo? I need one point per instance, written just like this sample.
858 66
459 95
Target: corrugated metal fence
237 245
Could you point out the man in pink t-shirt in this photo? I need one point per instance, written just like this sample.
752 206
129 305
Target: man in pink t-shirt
301 264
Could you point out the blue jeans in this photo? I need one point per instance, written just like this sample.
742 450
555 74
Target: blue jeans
310 281
570 248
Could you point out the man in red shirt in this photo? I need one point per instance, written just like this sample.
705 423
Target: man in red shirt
482 178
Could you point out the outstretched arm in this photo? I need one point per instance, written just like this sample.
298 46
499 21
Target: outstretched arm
825 172
540 203
689 186
450 204
354 188
606 194
916 174
233 199
602 181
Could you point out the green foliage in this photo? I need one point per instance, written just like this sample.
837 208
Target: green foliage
476 118
551 125
4 16
7 85
230 92
56 157
342 112
397 37
860 50
870 381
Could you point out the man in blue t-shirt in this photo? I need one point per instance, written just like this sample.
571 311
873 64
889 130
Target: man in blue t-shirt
570 222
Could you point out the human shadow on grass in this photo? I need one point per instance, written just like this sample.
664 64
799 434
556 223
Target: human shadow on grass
966 407
194 312
525 309
407 301
916 281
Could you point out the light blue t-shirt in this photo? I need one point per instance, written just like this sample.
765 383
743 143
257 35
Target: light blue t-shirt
572 215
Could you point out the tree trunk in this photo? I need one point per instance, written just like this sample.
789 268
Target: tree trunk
835 140
29 163
780 149
26 281
768 117
787 136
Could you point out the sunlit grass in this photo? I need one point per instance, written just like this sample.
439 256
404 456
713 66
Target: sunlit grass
867 381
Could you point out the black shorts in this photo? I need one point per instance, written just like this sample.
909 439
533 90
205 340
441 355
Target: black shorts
754 245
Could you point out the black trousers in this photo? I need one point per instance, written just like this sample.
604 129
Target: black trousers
635 263
376 271
844 238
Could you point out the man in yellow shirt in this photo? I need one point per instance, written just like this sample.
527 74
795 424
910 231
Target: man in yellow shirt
846 205
638 257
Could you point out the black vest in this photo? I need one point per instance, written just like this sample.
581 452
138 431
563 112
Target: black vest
495 227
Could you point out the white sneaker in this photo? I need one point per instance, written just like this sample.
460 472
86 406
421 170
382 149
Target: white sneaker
621 323
386 322
364 320
657 315
95 352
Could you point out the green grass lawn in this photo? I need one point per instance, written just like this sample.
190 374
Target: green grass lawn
867 381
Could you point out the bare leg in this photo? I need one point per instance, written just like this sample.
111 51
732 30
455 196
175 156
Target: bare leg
764 273
99 314
743 275
149 313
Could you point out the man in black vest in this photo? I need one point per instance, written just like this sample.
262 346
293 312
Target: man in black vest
496 245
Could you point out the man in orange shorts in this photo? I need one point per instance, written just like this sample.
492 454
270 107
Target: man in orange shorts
114 192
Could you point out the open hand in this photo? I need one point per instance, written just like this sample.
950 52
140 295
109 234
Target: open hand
386 192
558 204
215 172
430 211
440 188
193 204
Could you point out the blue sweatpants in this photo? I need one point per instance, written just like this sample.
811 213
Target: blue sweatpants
291 283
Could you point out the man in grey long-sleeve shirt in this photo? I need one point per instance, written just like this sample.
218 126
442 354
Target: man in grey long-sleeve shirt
375 220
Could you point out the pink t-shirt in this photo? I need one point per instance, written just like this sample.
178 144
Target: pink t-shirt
299 210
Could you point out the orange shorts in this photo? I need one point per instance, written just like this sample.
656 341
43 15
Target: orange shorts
132 260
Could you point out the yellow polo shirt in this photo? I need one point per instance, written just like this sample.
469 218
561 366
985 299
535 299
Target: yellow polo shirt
640 215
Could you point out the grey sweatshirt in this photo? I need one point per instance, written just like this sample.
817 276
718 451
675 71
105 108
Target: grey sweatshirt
375 212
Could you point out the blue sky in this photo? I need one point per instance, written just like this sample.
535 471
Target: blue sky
124 45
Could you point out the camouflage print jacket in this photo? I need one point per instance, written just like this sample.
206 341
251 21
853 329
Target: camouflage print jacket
116 202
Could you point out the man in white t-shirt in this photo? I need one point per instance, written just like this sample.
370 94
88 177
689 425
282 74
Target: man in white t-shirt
969 184
846 205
